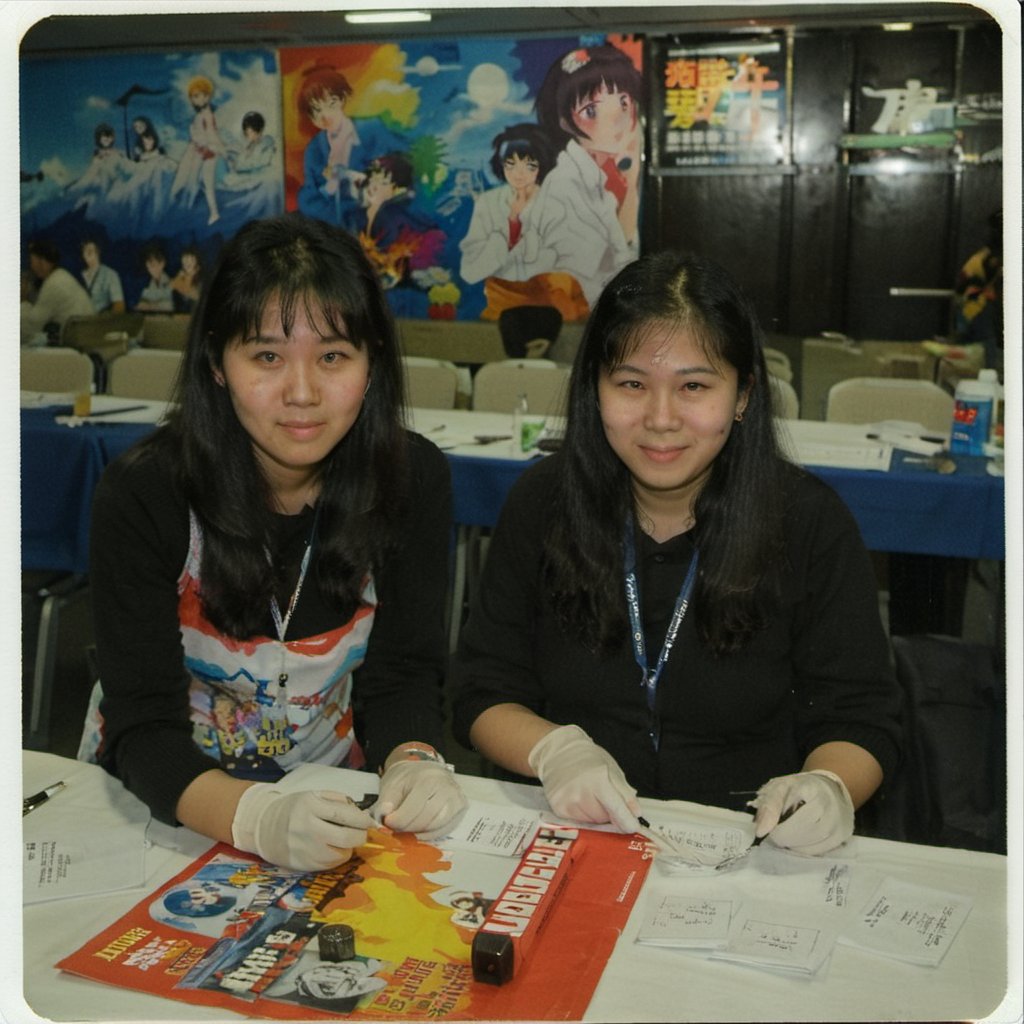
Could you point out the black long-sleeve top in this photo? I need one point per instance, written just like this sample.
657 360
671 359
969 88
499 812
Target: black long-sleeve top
820 671
139 543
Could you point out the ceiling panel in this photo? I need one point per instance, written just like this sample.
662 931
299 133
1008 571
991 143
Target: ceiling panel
130 31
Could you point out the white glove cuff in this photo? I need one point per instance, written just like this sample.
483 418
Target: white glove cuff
251 806
560 737
845 801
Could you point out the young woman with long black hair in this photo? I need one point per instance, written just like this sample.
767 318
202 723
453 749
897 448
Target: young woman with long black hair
668 606
269 567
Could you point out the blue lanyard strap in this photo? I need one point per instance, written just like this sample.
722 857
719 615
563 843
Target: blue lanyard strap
649 676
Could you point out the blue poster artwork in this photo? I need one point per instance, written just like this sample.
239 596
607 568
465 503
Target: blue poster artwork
144 163
478 174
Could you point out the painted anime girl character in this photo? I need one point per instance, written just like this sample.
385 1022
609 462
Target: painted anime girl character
107 167
588 104
137 203
331 181
198 168
505 245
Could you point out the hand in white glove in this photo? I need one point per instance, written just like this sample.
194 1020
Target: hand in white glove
421 797
582 780
819 807
308 831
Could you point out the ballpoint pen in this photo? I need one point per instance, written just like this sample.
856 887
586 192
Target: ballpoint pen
664 842
32 802
758 840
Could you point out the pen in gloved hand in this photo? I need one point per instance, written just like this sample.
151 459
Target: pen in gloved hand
787 813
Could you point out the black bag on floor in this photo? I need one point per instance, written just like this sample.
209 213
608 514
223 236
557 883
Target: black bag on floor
950 789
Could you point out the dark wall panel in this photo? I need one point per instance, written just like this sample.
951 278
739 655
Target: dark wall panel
898 233
731 218
816 281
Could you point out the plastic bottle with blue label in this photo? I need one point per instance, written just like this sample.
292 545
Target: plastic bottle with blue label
972 417
995 432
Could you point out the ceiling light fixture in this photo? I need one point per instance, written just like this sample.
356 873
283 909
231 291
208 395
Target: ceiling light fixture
385 17
898 26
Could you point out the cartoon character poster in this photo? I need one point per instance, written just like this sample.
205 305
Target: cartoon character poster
233 932
479 174
143 164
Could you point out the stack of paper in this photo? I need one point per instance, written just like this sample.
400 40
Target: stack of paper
778 937
686 921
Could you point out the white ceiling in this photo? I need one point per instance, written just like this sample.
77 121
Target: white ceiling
282 26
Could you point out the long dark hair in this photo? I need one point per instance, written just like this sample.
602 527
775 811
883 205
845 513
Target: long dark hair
577 76
306 264
738 513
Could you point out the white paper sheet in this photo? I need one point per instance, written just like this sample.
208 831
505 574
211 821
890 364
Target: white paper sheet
909 922
61 864
779 937
687 920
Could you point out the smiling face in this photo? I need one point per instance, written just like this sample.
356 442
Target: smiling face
606 119
520 171
296 395
667 412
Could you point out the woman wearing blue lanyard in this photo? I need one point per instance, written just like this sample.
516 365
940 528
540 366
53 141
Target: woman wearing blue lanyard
269 568
668 606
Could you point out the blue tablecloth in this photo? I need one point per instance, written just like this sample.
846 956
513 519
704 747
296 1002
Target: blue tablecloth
60 467
910 509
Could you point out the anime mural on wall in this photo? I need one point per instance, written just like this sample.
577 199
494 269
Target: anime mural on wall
480 174
148 162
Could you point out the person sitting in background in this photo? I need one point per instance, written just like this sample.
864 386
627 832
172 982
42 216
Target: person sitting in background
269 568
157 296
59 296
102 282
187 282
978 301
669 607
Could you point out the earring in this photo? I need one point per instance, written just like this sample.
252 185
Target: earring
367 388
738 417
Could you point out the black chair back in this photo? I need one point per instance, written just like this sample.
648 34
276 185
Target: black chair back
520 324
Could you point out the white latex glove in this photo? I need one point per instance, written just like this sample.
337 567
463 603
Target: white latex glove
307 831
421 797
820 809
582 781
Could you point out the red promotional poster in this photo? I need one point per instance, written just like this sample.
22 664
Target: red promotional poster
388 934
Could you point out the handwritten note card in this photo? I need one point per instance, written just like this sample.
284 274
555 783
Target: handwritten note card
702 847
65 864
493 828
909 922
674 919
777 937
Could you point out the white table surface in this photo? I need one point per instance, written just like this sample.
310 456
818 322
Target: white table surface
639 983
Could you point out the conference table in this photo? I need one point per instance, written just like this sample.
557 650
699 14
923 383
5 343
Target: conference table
904 507
977 975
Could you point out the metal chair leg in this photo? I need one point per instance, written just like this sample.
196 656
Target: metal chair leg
54 597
